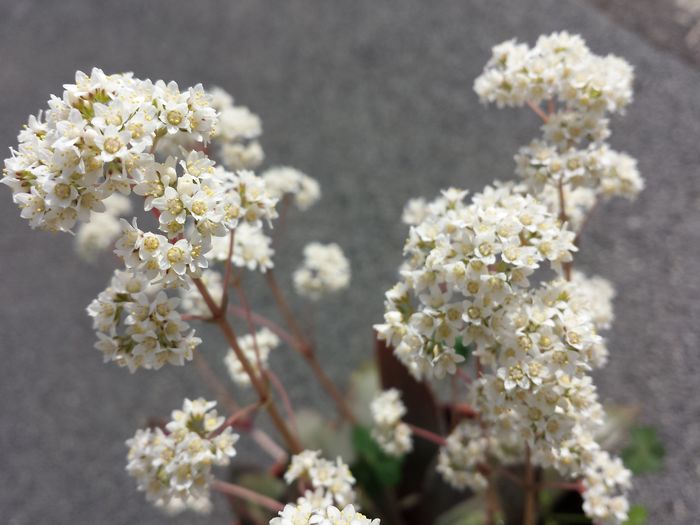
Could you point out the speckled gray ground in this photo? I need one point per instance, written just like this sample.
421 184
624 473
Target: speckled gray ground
375 100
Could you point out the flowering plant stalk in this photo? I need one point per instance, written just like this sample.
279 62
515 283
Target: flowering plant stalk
489 311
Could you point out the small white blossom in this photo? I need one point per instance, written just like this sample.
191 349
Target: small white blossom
283 180
324 270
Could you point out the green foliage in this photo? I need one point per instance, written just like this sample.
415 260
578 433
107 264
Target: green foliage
470 512
637 515
464 350
645 452
373 469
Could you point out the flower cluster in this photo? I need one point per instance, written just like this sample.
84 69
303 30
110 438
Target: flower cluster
100 232
560 66
237 133
393 435
331 482
464 262
463 457
174 465
283 180
252 249
324 270
305 513
580 89
256 348
605 483
95 140
138 325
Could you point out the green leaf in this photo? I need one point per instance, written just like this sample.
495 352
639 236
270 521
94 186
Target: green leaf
637 516
464 350
374 469
470 512
645 452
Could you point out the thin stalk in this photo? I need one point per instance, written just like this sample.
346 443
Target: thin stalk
260 320
259 385
538 110
240 492
563 217
530 488
242 413
284 395
428 435
307 351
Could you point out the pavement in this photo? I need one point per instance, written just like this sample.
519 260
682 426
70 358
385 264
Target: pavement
375 101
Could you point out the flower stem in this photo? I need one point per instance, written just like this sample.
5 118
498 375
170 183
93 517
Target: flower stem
530 488
538 110
427 435
307 351
238 491
259 385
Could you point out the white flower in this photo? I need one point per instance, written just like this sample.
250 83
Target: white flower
334 479
285 180
324 270
390 433
94 140
174 468
137 324
459 460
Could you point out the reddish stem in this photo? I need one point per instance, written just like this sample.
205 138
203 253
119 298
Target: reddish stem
240 492
538 110
428 435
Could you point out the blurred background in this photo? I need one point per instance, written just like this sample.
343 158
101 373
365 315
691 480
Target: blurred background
375 100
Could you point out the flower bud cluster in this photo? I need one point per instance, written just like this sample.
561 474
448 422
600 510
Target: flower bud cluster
174 464
324 270
138 325
392 435
256 348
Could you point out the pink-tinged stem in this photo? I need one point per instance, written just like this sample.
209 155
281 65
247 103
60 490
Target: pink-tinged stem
284 395
464 376
260 386
530 488
538 110
246 494
306 350
240 414
260 320
428 435
227 271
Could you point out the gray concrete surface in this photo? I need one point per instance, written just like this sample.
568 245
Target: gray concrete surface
374 99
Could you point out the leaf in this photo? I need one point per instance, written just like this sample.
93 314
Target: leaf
645 452
374 468
464 350
637 515
470 512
